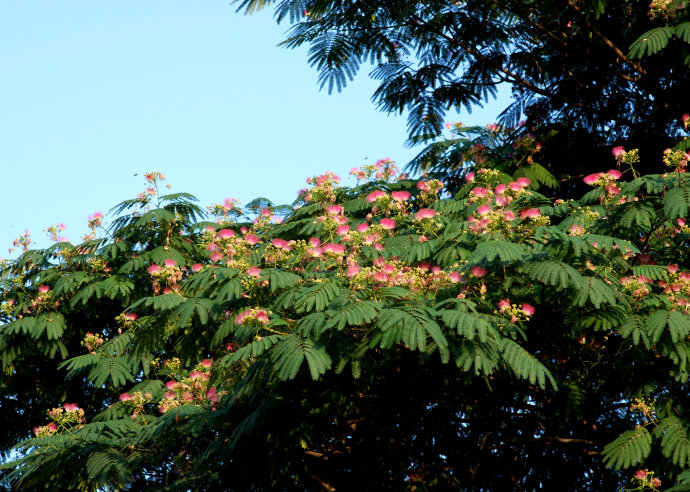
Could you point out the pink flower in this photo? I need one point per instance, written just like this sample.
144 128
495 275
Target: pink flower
262 316
253 271
198 375
125 397
215 256
524 182
375 195
528 309
388 224
281 244
314 241
212 395
685 117
71 407
503 200
266 212
576 230
480 192
251 239
132 316
334 209
154 269
352 269
343 229
455 277
641 474
381 277
196 267
672 268
500 188
207 363
617 152
615 174
226 233
362 227
515 186
469 177
503 304
656 483
337 249
170 262
171 385
509 215
531 213
401 196
44 288
484 209
478 271
592 178
425 213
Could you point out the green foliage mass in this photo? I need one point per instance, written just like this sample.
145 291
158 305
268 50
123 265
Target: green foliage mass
386 335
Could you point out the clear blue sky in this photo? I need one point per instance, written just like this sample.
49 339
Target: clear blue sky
94 92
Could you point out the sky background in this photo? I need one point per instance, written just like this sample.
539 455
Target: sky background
95 92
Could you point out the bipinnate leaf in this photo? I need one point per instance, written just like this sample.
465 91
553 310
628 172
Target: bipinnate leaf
629 449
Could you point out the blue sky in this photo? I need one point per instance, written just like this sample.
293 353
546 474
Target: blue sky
95 92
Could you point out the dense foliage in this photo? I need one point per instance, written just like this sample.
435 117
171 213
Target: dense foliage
382 336
586 74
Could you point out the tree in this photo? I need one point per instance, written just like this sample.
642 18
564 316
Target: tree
588 76
374 337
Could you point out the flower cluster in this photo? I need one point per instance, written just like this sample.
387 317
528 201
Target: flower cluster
676 159
23 241
662 9
44 299
94 222
515 312
136 402
645 480
92 342
383 170
636 286
54 231
607 182
677 288
393 272
323 188
257 315
63 417
126 321
429 191
190 389
166 278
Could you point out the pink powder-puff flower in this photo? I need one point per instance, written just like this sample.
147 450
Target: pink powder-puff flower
529 213
524 182
314 241
333 248
480 192
469 177
262 316
363 227
576 230
388 224
281 244
455 277
125 397
641 474
131 316
343 229
503 200
252 239
509 215
425 213
503 304
44 288
266 212
196 267
212 394
528 309
478 271
334 209
207 363
226 233
400 196
381 277
375 195
352 269
672 268
254 271
592 178
617 152
484 209
499 189
216 256
615 174
71 407
685 118
154 269
169 262
171 385
515 186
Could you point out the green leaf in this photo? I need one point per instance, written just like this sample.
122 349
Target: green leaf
675 443
677 202
524 365
651 42
554 273
629 449
677 323
488 251
596 291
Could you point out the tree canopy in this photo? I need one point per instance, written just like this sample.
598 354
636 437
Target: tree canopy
586 75
385 335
